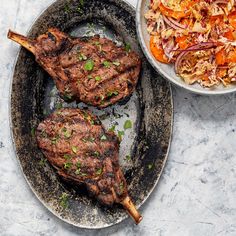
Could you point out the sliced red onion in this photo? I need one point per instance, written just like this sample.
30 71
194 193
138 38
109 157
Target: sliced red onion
176 23
172 23
221 2
168 48
222 67
197 47
179 60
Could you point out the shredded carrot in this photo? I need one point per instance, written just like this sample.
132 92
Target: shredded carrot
157 51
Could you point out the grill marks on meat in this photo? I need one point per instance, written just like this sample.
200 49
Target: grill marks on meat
82 151
113 72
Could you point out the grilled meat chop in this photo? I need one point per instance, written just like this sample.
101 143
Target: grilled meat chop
92 70
82 151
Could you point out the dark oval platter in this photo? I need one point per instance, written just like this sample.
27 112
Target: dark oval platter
34 96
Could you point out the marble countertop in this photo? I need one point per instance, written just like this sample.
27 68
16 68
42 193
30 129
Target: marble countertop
196 195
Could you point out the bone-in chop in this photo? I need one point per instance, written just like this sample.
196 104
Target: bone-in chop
82 151
93 70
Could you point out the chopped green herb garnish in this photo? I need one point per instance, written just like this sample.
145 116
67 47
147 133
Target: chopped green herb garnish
107 64
116 63
98 44
67 8
127 47
74 149
43 162
120 134
96 153
55 140
44 134
77 172
59 112
33 132
91 25
82 57
102 97
45 112
103 138
89 139
89 65
78 164
67 96
98 78
64 129
66 133
79 10
59 106
64 200
67 156
92 122
114 93
86 115
68 165
113 128
128 157
150 166
99 171
128 124
83 174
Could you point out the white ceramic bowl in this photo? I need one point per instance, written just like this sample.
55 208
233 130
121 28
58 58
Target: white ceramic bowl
167 71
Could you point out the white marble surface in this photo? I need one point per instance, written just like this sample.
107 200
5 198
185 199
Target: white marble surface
196 195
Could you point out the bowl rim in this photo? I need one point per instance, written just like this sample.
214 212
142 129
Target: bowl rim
154 63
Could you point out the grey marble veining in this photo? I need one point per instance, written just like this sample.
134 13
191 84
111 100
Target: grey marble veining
196 195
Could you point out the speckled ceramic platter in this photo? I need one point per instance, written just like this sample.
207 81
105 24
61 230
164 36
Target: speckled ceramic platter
145 145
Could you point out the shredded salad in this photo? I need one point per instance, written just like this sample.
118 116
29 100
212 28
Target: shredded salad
198 36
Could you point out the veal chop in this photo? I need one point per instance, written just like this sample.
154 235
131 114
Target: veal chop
93 70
